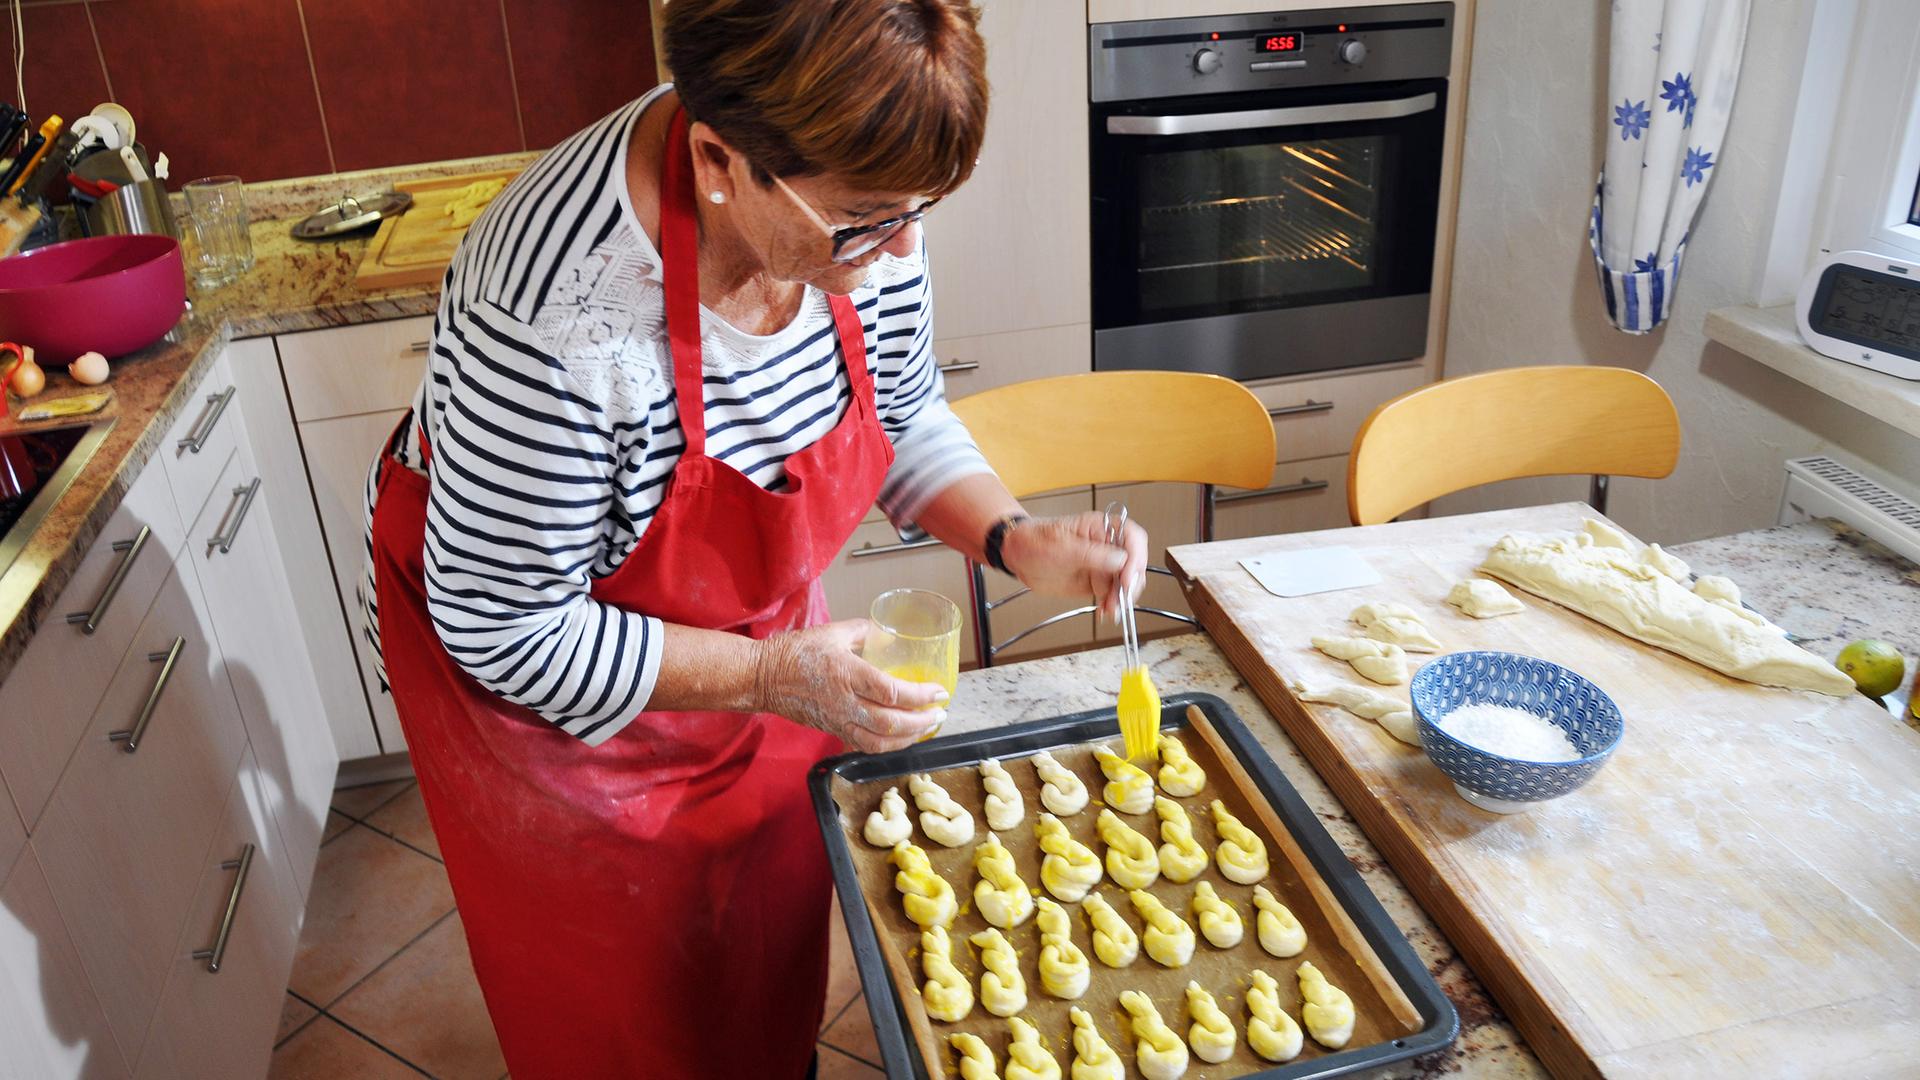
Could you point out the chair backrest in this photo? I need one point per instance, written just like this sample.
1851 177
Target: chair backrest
1117 427
1502 425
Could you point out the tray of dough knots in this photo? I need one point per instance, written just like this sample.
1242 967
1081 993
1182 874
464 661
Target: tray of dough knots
1397 1010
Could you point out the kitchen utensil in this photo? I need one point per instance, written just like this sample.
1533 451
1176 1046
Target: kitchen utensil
1139 706
131 160
24 220
1400 1010
141 207
221 221
1300 573
415 247
23 159
49 131
915 636
1493 781
1661 918
106 165
114 294
351 213
10 129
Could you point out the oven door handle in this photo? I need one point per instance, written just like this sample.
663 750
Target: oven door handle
1339 113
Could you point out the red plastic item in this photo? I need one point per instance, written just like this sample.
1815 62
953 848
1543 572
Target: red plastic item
111 294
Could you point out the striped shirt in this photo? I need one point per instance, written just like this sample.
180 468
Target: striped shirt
549 404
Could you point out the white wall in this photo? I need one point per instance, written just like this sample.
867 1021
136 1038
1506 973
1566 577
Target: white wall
1524 290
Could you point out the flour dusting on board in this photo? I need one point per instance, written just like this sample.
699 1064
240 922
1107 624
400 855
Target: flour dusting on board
1509 732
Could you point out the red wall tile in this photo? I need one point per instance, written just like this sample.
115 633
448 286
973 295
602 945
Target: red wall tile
219 85
576 61
412 80
63 73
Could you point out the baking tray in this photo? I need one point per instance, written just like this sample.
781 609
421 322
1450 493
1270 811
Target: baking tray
1361 926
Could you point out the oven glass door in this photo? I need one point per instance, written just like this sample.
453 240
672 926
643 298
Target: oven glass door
1228 204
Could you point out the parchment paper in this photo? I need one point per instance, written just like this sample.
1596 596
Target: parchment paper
1382 1011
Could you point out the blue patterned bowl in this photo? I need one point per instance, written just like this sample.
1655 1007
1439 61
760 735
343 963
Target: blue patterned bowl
1501 784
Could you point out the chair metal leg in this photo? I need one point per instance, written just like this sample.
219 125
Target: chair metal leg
1208 500
982 614
1597 494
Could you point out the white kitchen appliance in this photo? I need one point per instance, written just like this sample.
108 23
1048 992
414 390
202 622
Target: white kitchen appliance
1864 309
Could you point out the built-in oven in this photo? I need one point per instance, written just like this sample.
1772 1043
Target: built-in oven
1266 188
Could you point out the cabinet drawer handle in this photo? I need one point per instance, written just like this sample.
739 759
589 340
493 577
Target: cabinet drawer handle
216 407
214 955
133 735
892 549
419 347
1302 487
959 367
244 495
89 621
1308 406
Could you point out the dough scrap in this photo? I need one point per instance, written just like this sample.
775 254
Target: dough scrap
1180 775
469 201
1722 591
927 897
1064 971
947 995
976 1061
1368 704
944 821
1114 942
1003 990
1242 855
1129 789
1219 922
1280 933
1397 624
1158 1052
1328 1011
1270 1031
1005 808
1132 862
890 824
1181 857
1483 599
1168 938
1211 1035
1026 1058
1621 589
1070 868
1093 1059
1064 793
1000 896
1378 661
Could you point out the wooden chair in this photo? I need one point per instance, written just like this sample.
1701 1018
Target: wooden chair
1114 427
1502 425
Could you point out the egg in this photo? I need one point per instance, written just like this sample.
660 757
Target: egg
90 368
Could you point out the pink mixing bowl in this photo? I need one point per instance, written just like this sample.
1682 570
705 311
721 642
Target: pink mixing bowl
107 294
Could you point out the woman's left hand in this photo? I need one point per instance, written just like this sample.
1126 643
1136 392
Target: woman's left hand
1070 556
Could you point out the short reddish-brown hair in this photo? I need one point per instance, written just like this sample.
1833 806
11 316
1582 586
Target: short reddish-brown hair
885 95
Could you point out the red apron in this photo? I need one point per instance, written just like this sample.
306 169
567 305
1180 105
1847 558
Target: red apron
655 906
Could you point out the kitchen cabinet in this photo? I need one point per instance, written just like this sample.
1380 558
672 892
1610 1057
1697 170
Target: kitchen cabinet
1318 415
244 872
51 1026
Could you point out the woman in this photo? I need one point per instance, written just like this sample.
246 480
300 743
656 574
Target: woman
674 363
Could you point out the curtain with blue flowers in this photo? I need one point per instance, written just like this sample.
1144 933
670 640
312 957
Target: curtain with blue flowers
1672 70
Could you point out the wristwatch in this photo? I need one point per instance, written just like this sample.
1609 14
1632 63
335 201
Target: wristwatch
997 539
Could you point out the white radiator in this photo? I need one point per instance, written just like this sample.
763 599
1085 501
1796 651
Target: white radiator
1820 487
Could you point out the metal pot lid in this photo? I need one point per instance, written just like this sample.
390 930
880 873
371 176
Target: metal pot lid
350 213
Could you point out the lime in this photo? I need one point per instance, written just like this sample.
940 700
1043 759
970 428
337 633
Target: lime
1877 668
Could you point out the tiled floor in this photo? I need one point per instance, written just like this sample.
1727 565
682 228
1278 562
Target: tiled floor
382 986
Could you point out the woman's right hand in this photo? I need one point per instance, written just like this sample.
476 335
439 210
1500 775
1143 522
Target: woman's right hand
817 677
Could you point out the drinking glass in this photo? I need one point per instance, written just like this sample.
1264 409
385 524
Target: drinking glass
219 208
203 263
916 637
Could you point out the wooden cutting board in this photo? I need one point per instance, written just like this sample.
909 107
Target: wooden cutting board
1737 893
415 248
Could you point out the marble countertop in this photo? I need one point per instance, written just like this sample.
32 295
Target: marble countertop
1820 580
1488 1045
294 285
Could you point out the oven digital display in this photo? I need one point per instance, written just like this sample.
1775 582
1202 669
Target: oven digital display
1279 43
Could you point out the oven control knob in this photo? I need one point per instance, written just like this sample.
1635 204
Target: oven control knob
1352 51
1206 61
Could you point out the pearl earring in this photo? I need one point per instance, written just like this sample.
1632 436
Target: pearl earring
716 197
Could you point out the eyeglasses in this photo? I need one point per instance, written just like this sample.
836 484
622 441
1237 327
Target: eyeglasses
852 241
